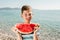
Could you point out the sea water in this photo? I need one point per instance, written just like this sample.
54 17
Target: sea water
49 21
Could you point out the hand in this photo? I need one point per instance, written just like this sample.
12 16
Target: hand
36 28
14 30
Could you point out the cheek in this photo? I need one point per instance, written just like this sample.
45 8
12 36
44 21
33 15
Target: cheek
24 17
31 16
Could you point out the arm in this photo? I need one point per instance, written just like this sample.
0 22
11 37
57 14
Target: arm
14 29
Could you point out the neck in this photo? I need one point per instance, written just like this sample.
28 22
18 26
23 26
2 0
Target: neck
27 22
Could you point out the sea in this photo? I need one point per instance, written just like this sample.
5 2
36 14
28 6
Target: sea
49 21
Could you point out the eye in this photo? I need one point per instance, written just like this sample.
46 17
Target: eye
30 14
25 14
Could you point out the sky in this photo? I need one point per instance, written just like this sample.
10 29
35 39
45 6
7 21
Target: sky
35 4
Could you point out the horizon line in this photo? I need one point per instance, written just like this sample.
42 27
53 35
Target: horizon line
32 8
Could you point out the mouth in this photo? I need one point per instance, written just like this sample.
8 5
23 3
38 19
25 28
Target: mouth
28 18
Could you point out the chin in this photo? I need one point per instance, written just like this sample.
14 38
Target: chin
29 20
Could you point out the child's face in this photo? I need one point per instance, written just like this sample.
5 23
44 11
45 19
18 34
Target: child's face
27 15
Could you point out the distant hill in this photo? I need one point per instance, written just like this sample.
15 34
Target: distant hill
7 8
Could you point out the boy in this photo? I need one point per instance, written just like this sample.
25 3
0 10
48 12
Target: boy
26 27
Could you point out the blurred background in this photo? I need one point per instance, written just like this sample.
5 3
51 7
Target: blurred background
46 13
